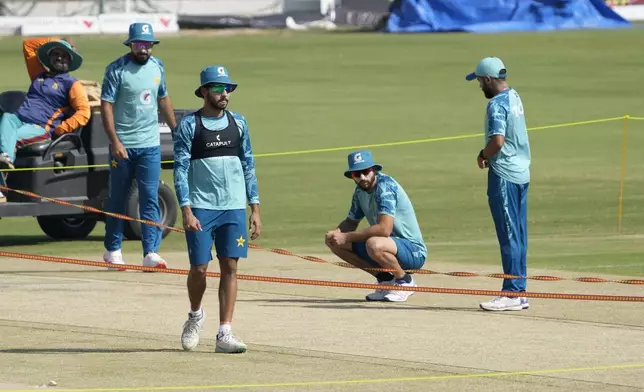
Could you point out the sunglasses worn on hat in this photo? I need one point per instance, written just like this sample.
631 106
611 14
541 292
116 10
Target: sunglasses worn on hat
220 88
357 174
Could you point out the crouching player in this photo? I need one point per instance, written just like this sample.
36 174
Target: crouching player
392 241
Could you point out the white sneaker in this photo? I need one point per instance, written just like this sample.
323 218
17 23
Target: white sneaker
191 329
227 343
401 295
5 161
154 260
506 303
114 257
379 294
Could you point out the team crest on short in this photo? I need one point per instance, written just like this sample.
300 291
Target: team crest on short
54 86
157 80
146 97
240 241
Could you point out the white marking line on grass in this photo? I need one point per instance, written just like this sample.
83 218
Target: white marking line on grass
349 382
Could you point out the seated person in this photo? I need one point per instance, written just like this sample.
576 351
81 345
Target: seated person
56 102
30 51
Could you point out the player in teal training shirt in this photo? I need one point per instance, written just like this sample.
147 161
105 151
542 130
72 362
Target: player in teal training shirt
507 155
133 91
214 177
393 239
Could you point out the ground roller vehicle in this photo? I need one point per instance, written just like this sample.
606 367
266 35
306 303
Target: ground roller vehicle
87 146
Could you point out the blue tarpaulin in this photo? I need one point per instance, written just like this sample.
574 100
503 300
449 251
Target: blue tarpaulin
492 16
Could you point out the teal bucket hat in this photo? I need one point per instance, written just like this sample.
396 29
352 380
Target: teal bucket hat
214 74
360 160
140 32
489 66
43 54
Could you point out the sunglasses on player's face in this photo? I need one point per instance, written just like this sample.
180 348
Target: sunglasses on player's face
220 88
136 45
365 172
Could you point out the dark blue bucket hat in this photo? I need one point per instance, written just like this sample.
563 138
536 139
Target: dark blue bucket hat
360 160
140 32
215 74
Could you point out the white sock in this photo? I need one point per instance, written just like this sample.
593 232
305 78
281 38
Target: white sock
198 314
224 329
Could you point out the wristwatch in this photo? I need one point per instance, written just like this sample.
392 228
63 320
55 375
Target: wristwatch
482 156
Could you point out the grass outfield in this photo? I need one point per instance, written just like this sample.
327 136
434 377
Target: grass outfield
308 91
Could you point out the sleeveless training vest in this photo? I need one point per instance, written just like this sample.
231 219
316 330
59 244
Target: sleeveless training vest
208 144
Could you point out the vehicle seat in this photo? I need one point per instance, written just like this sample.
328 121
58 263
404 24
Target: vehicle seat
68 141
10 101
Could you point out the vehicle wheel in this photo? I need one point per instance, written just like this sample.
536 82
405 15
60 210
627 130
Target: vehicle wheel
66 228
167 208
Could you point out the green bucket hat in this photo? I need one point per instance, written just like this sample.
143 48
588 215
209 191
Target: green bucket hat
76 58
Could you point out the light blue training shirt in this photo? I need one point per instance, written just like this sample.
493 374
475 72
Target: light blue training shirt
214 183
134 89
505 117
389 198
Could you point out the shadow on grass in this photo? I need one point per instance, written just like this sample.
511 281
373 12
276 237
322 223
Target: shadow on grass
87 350
343 303
52 271
7 241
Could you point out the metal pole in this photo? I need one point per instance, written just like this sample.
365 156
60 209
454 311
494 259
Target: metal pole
620 206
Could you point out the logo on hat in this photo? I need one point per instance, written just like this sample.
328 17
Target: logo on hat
215 74
360 160
140 32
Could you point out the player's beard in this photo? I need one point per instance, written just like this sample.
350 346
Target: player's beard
367 185
217 104
487 91
141 56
